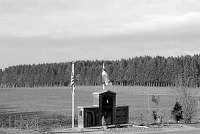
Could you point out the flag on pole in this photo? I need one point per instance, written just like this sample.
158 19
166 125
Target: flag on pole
72 75
73 88
105 78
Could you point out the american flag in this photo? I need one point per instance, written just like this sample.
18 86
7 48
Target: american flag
72 75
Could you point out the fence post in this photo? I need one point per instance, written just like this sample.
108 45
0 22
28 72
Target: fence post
9 120
149 110
37 123
27 120
21 121
60 120
15 121
2 121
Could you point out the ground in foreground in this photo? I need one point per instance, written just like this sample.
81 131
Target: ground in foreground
168 129
17 131
171 129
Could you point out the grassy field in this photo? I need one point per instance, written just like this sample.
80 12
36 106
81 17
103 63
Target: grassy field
58 99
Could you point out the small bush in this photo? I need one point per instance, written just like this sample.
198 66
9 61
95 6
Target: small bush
177 112
155 116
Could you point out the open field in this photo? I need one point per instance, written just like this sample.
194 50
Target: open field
58 99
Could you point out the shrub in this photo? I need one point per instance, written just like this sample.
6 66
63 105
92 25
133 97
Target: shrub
177 112
155 116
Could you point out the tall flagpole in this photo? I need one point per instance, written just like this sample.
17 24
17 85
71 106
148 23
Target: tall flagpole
73 87
104 81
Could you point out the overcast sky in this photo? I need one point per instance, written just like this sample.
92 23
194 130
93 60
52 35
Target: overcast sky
47 31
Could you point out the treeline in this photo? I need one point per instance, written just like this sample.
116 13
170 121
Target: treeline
138 71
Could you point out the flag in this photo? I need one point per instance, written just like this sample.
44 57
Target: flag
72 75
72 79
105 78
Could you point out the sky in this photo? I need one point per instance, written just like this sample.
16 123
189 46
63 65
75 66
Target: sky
53 31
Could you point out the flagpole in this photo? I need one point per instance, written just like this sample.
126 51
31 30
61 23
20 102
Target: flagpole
104 81
73 108
73 87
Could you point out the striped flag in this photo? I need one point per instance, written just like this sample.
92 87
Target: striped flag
105 78
72 75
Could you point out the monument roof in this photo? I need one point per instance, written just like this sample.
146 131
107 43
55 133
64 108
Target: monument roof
88 107
103 91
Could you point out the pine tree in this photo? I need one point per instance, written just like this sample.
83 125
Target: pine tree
177 112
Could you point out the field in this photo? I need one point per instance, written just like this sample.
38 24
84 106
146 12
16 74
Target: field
58 100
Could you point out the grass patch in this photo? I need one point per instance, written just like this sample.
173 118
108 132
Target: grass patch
55 101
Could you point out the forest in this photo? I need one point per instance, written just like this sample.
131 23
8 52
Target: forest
139 71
